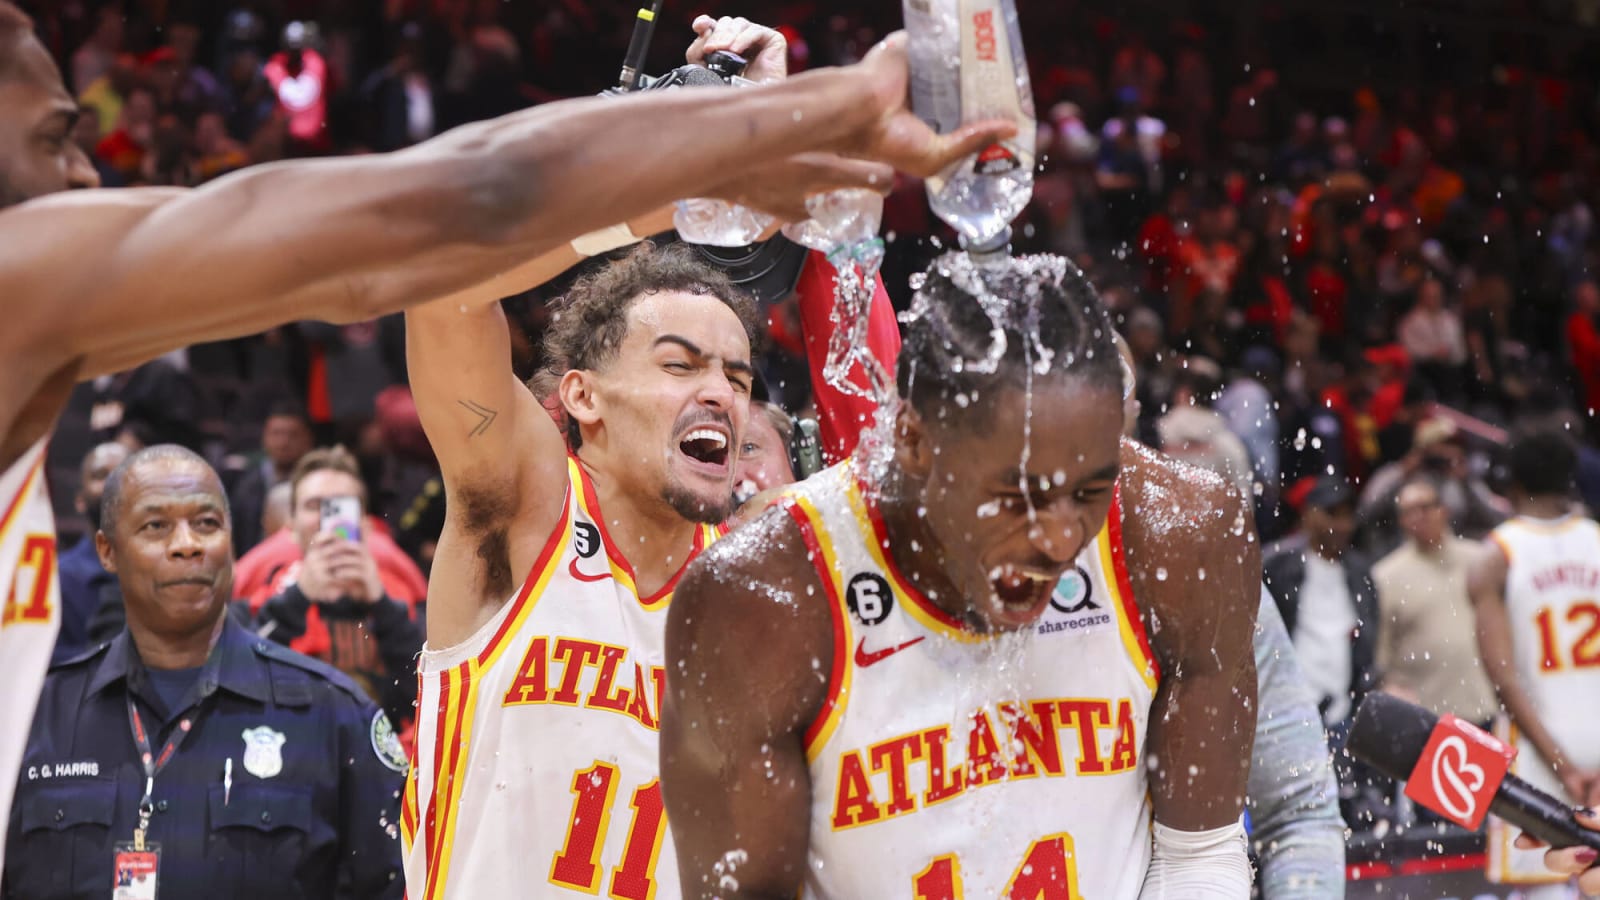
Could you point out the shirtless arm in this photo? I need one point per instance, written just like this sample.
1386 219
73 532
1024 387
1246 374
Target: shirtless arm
734 773
1202 615
142 271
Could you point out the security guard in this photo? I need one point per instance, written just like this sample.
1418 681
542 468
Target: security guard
188 758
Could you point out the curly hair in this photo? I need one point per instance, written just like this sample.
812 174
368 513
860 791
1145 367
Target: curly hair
591 320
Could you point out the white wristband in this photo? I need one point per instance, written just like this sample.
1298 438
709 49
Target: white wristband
1197 865
604 240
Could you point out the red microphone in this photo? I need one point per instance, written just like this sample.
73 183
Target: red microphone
1458 771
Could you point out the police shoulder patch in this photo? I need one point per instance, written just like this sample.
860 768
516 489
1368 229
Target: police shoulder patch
386 743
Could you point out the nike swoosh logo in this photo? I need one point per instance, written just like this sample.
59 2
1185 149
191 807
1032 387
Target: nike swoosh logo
573 569
865 658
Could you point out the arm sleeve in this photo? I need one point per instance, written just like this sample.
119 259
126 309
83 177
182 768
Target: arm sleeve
1197 865
841 416
1292 796
369 808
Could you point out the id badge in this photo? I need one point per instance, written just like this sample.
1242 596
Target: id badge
135 871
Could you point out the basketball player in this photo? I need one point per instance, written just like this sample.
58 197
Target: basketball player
929 674
96 282
1535 588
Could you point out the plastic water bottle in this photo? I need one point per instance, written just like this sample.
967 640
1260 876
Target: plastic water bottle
967 64
844 226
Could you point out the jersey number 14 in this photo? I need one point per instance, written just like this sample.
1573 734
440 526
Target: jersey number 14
1047 872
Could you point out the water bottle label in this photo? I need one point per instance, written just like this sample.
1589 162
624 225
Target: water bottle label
995 159
934 49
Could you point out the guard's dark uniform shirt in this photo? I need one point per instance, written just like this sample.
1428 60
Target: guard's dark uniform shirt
314 803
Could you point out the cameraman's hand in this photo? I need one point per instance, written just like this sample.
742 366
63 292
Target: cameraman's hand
901 139
1573 860
766 49
780 188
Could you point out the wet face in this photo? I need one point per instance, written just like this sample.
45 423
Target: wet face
672 405
763 459
1421 514
37 115
1009 530
285 439
170 547
323 484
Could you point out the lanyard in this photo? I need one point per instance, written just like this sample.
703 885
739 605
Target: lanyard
152 762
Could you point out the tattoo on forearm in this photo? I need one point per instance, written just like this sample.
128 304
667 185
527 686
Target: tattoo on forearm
484 413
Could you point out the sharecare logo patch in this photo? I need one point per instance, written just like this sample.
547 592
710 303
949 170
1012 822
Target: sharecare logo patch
995 159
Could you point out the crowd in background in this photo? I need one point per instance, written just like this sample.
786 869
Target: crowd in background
1341 288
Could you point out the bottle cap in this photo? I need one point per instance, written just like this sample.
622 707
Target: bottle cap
997 247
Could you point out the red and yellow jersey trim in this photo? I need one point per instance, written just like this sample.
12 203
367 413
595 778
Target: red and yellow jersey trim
621 569
457 712
9 517
1130 620
876 538
824 558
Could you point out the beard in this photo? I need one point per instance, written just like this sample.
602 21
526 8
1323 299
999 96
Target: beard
695 508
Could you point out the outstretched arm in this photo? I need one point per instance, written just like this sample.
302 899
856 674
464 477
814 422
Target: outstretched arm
734 773
142 271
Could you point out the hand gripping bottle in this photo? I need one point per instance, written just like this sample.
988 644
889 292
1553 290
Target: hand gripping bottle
967 64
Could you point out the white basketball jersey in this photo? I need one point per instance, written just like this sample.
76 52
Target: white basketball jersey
32 611
537 769
1552 596
948 764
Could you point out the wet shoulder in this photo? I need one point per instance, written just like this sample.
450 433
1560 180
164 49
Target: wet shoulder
1172 506
767 549
1188 535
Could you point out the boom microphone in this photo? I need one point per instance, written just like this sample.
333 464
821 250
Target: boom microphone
1457 770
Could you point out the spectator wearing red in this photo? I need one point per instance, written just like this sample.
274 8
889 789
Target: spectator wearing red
124 149
299 77
1583 343
257 571
333 603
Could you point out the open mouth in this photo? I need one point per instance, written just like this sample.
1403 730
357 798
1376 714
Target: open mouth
1020 594
706 445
